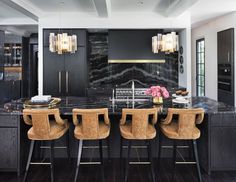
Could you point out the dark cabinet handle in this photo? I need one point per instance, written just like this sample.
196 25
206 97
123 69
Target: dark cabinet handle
224 83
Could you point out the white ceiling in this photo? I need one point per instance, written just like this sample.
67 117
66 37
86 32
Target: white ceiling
202 11
64 5
8 12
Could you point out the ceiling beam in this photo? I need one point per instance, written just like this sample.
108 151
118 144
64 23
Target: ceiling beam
174 8
24 7
103 7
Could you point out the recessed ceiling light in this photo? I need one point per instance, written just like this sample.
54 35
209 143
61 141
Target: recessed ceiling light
140 3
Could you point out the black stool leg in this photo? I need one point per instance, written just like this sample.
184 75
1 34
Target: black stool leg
78 159
121 147
151 160
127 162
101 160
29 159
197 160
159 149
68 144
174 159
52 159
108 149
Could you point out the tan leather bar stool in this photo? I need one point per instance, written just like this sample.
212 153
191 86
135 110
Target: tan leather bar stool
182 128
90 128
138 129
43 129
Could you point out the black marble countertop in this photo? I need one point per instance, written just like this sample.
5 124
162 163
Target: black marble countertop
68 103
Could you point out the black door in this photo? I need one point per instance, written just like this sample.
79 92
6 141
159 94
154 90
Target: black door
53 73
76 73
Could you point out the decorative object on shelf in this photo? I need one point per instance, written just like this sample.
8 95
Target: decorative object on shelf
165 43
181 50
157 92
181 69
181 60
62 43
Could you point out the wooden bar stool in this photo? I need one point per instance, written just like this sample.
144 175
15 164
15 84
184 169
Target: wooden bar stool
138 129
43 129
182 128
90 128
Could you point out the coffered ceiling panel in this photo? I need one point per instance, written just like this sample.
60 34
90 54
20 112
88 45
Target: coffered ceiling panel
134 5
64 5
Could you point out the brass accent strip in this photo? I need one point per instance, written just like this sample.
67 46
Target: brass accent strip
137 61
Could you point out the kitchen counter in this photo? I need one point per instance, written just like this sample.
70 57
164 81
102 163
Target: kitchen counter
216 151
68 103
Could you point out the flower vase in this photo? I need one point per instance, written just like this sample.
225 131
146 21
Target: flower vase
157 100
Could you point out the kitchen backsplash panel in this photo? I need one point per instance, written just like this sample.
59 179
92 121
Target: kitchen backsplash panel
104 75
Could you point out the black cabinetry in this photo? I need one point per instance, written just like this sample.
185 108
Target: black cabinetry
14 143
225 56
66 74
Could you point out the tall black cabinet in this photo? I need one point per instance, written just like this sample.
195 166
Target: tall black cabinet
65 74
225 57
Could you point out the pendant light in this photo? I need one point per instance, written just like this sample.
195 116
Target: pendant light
62 42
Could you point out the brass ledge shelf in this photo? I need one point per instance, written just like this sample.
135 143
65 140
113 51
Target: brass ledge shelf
136 61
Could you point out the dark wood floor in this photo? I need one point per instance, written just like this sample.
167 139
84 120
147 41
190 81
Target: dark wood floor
64 172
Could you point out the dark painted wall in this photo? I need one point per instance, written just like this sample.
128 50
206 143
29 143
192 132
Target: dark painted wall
132 44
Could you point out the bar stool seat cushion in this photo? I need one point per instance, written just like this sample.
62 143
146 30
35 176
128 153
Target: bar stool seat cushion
171 131
102 133
126 132
56 131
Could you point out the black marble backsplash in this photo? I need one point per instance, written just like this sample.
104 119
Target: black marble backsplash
104 75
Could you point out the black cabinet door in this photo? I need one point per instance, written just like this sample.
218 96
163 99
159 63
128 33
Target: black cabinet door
76 73
8 149
223 149
225 46
53 73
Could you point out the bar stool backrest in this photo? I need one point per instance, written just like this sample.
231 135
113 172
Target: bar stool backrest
187 120
39 119
90 121
140 120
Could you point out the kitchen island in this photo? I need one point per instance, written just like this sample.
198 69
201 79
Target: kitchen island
216 150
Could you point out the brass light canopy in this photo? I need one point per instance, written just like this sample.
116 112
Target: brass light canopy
62 43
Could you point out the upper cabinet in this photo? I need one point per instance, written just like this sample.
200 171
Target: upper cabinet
225 56
225 46
81 35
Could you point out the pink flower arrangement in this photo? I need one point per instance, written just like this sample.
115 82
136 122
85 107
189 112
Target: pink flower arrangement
157 91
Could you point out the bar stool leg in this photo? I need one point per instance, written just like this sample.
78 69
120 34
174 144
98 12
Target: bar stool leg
121 147
174 159
29 159
108 149
159 149
127 162
101 160
78 159
52 160
197 160
68 144
151 160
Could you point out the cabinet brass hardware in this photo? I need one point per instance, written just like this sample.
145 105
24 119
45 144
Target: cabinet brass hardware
228 56
59 81
67 81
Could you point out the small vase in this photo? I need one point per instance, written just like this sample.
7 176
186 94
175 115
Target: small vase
157 100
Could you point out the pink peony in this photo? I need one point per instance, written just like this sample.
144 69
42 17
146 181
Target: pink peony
157 91
165 94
